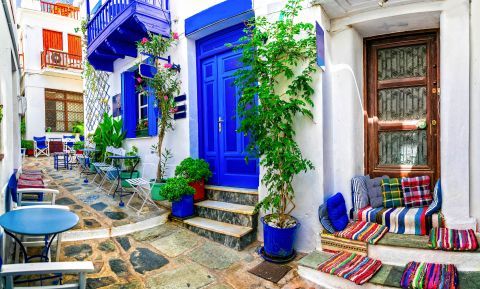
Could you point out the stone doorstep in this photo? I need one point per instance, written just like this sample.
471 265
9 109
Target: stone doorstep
231 189
413 241
228 207
218 227
388 276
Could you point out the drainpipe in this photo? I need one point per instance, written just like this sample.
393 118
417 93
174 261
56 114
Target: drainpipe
12 33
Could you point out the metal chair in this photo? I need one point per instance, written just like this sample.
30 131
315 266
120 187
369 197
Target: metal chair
142 187
68 142
40 146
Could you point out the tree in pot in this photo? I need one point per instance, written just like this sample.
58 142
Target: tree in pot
279 60
197 172
177 191
165 85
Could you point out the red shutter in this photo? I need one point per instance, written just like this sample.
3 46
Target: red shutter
52 40
74 45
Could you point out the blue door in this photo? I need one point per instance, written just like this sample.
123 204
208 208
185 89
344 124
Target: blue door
220 143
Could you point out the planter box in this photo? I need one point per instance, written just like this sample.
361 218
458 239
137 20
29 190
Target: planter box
142 133
125 175
29 152
155 192
184 207
199 187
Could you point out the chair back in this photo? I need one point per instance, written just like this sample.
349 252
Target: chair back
68 142
11 193
41 141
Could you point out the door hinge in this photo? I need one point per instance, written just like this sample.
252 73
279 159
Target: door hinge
436 91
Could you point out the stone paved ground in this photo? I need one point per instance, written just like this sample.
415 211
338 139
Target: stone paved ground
167 256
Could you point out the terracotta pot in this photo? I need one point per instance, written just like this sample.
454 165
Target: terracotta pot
29 152
199 187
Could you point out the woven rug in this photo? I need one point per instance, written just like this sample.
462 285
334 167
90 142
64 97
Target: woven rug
429 276
350 266
363 231
453 240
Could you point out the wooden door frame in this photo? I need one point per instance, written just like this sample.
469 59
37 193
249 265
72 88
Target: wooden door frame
408 36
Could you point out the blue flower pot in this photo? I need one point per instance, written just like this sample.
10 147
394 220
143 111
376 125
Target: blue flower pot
184 207
279 242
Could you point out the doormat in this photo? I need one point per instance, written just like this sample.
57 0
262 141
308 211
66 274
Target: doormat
270 271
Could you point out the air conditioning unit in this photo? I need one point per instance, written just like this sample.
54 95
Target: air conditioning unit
56 58
22 105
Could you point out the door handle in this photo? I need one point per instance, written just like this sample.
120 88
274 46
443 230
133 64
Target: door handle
220 121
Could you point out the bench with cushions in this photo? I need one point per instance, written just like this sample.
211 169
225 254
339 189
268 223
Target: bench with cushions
405 206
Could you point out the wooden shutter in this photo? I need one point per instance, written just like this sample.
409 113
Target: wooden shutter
129 104
74 45
52 40
152 113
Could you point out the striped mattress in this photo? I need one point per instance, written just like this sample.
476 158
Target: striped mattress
402 220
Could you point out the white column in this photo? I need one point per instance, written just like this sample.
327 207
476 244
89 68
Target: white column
454 113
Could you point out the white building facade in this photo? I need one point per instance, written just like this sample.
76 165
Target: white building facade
51 49
341 141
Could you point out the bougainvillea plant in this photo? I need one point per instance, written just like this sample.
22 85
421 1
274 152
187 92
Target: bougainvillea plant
280 60
165 85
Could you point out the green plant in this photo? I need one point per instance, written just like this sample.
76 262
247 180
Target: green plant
175 188
79 145
129 163
48 129
108 133
193 170
23 127
142 124
26 144
280 60
165 85
78 127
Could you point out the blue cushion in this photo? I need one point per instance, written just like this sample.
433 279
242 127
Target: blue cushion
436 204
12 187
337 212
41 141
324 220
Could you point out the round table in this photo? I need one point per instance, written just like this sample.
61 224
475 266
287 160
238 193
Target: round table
37 222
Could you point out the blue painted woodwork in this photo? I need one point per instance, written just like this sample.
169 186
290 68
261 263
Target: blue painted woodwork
118 24
152 113
96 7
38 221
147 70
180 98
223 148
222 15
129 104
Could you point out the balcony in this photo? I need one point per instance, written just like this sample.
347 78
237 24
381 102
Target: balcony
116 27
61 60
60 9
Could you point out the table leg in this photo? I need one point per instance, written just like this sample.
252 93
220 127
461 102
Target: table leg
24 251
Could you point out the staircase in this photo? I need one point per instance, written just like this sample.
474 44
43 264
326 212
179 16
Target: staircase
226 216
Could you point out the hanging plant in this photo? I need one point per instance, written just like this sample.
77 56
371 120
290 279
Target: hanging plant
275 85
165 85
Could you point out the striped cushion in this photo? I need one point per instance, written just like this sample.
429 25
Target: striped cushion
324 220
392 193
453 240
416 191
363 231
412 221
436 204
429 276
360 193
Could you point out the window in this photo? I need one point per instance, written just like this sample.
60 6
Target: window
62 109
142 106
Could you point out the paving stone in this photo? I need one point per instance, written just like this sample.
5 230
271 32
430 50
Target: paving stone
116 215
79 252
135 284
176 243
118 266
98 266
143 260
124 242
190 276
64 201
156 232
107 246
94 283
77 207
99 206
215 256
91 223
222 286
120 223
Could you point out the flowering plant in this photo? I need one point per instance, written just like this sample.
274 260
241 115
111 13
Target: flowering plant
143 124
165 84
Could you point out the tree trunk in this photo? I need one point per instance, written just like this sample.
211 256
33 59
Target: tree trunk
161 135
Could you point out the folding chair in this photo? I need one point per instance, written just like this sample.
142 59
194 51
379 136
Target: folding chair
34 273
68 142
142 188
111 172
40 146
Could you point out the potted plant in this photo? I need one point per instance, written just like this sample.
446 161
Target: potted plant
197 172
157 186
28 145
78 129
142 128
177 191
165 85
279 76
78 147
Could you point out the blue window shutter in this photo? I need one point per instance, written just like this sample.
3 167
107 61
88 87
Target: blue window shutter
129 104
152 113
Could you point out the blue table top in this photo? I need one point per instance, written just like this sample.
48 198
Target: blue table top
38 221
124 157
90 150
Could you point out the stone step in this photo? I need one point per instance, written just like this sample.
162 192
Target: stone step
241 196
231 213
387 277
233 236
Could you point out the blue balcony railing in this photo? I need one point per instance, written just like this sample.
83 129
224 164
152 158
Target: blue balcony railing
111 9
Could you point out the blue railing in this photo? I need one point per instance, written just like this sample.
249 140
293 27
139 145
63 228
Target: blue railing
111 9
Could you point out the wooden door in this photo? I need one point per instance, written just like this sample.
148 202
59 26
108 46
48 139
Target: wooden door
75 45
52 40
402 126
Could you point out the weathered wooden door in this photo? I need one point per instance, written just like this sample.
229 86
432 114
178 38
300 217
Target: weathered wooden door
402 128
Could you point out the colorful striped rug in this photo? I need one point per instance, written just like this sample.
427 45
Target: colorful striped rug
429 276
453 240
350 266
363 231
